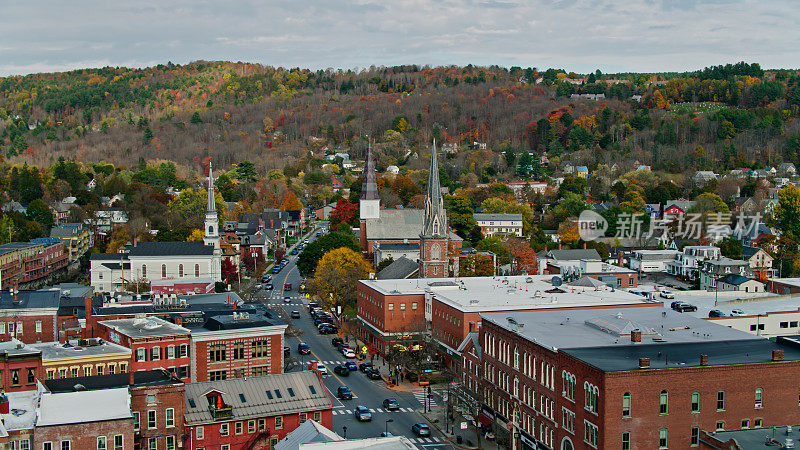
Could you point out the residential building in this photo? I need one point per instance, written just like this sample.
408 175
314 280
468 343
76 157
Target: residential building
60 212
154 343
156 404
651 261
676 208
30 316
20 366
688 261
84 420
17 418
324 212
237 414
714 269
739 283
394 311
82 358
504 224
29 264
572 264
582 171
760 260
75 237
617 378
702 177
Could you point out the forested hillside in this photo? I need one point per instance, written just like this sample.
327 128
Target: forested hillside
722 117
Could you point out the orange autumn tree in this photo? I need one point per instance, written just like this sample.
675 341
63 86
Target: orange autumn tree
290 202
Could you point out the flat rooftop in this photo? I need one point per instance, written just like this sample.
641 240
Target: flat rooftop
602 338
485 294
83 407
22 412
755 438
73 349
749 303
145 327
15 347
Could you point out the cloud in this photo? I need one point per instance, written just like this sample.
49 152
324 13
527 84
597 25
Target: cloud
579 35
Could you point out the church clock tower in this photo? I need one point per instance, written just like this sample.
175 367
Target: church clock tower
434 240
212 220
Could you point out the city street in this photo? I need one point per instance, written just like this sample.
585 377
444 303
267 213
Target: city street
366 392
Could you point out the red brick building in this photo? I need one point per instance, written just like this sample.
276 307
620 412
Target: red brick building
84 420
154 343
156 403
27 263
629 378
255 413
391 311
20 366
30 316
236 346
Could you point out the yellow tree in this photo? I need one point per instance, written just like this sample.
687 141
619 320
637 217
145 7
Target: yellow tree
196 235
337 274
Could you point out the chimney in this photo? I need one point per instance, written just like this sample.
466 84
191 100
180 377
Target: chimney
644 363
15 296
636 336
703 360
777 355
584 245
620 257
559 245
178 320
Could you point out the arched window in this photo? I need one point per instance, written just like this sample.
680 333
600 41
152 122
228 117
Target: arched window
436 252
566 444
626 404
180 270
210 229
197 270
163 271
144 270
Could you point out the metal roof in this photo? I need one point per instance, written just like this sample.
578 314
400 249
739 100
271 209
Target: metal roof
248 397
171 249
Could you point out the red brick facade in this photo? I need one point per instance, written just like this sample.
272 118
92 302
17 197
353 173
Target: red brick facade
249 354
169 352
537 388
389 314
36 325
162 405
20 372
85 435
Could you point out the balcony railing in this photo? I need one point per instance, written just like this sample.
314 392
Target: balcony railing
222 413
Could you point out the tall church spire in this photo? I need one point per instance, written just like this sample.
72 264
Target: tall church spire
212 220
435 221
369 188
369 206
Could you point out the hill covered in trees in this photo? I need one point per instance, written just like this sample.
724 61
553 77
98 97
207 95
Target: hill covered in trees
722 117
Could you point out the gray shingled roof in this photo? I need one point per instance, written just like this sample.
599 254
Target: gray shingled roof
248 398
574 254
398 224
497 216
400 269
171 249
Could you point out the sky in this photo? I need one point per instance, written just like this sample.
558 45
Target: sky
577 35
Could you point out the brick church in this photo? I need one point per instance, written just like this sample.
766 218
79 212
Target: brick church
418 240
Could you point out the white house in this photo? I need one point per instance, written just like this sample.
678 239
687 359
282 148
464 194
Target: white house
507 224
687 263
651 261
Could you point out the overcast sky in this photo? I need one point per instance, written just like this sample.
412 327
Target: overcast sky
578 35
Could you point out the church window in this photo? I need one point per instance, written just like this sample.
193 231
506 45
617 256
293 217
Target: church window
210 230
436 252
180 270
163 271
144 271
197 270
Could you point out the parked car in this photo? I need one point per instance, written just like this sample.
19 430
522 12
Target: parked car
666 294
349 353
295 314
363 367
686 307
326 328
313 304
303 349
258 287
421 429
716 313
344 347
287 286
391 404
336 341
373 374
344 393
362 414
386 434
351 366
341 370
269 287
737 312
266 279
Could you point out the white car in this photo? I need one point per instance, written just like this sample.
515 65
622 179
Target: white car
667 294
349 353
737 312
322 369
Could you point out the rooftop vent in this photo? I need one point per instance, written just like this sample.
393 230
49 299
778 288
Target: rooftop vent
703 360
777 355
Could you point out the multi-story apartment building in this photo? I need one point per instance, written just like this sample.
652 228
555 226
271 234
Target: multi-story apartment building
505 224
687 263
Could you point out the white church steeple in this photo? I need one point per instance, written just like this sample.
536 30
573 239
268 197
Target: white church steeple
212 220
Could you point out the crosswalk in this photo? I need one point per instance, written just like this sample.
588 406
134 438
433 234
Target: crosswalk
423 440
420 394
338 412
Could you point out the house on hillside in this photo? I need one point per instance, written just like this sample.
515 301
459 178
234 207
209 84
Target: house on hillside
787 169
702 177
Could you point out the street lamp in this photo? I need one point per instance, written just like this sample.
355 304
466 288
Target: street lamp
386 430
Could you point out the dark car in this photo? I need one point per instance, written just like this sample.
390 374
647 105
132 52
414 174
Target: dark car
336 341
276 269
686 307
362 414
295 314
293 252
421 429
287 286
341 370
313 304
266 279
373 374
326 328
351 365
286 351
364 366
716 313
303 349
391 404
344 393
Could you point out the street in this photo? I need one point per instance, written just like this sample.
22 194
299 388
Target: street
366 392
